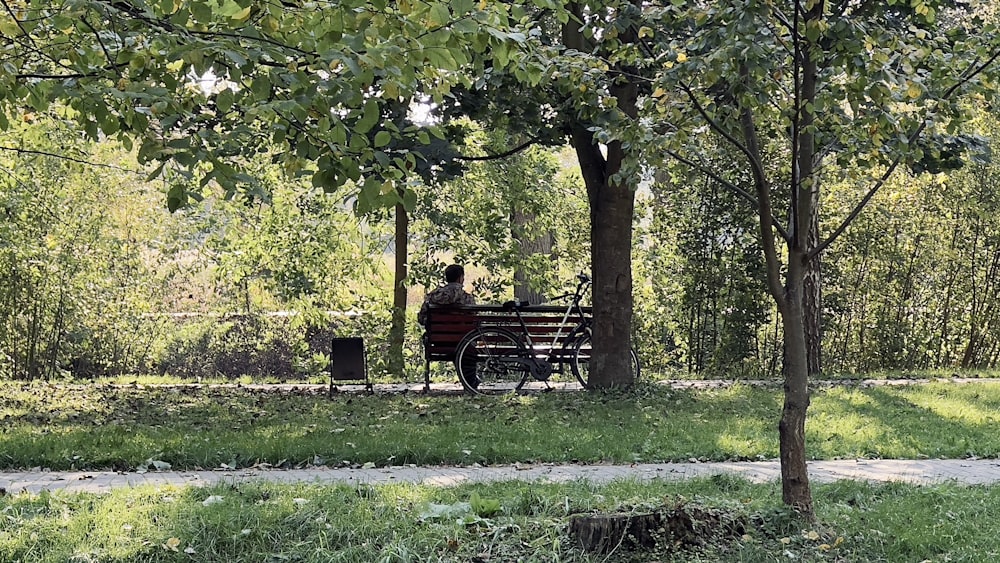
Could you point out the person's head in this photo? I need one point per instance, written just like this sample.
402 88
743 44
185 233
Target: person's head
454 273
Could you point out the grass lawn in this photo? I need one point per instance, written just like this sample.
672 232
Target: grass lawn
103 426
498 522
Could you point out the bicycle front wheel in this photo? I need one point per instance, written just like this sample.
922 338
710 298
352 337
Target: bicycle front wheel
490 361
581 361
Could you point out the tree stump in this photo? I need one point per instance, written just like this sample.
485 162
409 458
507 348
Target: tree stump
604 533
681 526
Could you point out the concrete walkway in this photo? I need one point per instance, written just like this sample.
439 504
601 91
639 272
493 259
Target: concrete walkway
454 388
968 471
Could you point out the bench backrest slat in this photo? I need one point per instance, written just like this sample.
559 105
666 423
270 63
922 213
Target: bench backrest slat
446 326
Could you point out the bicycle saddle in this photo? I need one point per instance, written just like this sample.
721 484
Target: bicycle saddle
511 305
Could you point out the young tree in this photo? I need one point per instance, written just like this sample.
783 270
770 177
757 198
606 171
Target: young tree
837 82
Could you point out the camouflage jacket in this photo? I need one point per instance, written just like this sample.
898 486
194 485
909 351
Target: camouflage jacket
450 294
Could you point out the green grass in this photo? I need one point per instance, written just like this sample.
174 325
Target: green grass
309 523
104 426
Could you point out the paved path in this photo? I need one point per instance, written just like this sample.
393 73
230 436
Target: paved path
454 387
969 471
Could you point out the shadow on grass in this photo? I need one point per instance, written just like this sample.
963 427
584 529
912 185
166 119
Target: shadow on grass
125 428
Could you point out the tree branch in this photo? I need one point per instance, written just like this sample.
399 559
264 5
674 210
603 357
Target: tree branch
966 75
69 158
715 124
111 62
17 21
499 156
730 186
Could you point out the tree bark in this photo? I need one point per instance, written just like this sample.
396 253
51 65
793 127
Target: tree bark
528 247
612 203
795 490
813 295
397 328
803 189
670 528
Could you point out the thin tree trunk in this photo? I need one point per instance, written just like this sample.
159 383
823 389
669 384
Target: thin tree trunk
852 310
795 487
946 309
973 339
397 328
813 296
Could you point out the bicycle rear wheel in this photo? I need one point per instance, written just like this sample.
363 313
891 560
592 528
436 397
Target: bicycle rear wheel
581 361
487 361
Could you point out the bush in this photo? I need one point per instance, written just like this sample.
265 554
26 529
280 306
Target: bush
258 346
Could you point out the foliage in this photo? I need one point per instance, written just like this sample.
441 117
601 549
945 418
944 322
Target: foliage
920 296
205 85
257 346
76 282
471 220
706 293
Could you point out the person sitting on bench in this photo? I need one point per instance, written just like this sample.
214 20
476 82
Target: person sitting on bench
452 293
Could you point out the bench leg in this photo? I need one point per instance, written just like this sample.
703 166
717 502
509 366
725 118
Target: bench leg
427 376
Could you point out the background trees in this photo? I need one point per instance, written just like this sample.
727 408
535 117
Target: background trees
75 278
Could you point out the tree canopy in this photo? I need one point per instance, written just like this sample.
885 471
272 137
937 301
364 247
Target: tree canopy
201 86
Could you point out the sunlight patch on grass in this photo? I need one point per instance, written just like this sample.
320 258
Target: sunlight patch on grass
239 427
954 409
740 437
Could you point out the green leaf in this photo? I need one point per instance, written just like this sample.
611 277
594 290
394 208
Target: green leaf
409 200
462 7
201 11
229 9
224 100
439 16
326 178
484 507
369 118
155 173
176 197
382 139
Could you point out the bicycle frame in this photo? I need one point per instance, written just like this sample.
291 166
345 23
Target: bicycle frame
574 305
499 352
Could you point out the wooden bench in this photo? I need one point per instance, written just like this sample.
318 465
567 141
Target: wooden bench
447 325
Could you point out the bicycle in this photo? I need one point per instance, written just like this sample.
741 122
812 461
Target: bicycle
493 358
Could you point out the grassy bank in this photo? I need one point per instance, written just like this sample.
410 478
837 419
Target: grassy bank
498 522
125 428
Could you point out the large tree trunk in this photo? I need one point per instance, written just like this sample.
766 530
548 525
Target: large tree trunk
397 330
611 209
611 254
612 205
